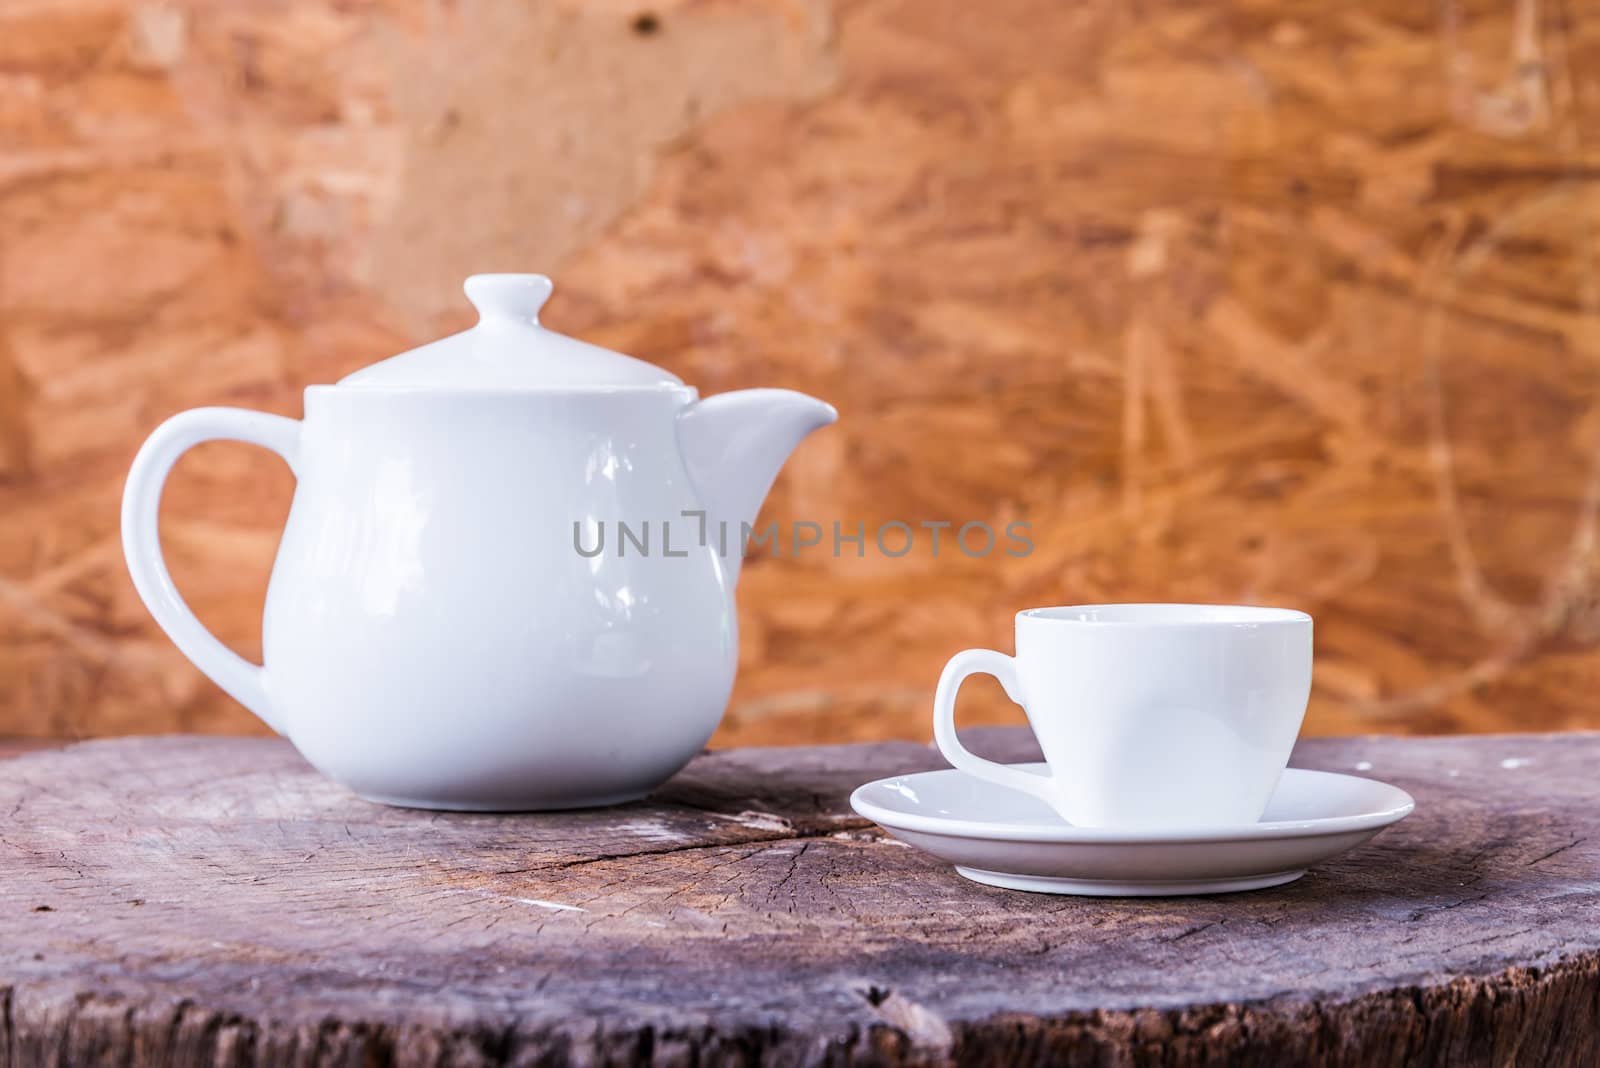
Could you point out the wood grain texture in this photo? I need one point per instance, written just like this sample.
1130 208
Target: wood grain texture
1257 301
214 901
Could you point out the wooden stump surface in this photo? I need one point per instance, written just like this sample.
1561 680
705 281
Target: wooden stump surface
205 900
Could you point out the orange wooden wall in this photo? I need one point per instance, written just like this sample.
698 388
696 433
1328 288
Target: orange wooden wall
1275 302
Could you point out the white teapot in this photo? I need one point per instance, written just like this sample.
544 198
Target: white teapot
440 631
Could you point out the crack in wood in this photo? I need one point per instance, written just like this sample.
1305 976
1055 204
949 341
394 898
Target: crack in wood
794 835
1556 852
1419 914
1188 932
8 1031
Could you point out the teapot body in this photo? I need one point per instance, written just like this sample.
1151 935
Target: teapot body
506 581
439 635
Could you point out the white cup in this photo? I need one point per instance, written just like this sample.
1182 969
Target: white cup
1151 716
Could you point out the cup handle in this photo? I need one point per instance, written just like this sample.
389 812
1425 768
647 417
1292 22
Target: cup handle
1002 667
141 540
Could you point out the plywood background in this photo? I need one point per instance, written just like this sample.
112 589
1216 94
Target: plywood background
1270 302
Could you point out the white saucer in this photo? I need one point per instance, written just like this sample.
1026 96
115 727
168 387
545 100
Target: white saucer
1006 838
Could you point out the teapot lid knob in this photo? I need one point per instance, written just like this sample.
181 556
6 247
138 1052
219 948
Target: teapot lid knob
509 350
508 297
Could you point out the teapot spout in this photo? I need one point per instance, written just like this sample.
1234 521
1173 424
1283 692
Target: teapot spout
733 445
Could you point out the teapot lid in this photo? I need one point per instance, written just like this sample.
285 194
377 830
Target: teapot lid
508 349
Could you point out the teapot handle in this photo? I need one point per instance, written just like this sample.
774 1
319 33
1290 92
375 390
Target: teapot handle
141 539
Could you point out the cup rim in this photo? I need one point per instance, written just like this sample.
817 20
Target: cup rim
1162 614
